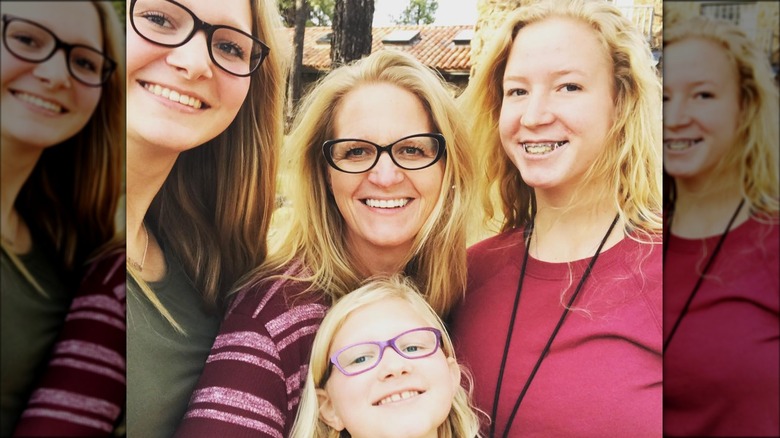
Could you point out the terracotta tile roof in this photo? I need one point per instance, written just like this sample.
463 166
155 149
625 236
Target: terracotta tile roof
434 47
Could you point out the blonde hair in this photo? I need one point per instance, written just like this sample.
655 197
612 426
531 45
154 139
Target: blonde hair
631 161
755 151
70 199
462 421
437 261
213 211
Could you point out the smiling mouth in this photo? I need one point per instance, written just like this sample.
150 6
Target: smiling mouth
386 203
405 395
543 147
173 95
681 144
39 102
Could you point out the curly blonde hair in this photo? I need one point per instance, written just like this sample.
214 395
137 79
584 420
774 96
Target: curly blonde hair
631 162
755 150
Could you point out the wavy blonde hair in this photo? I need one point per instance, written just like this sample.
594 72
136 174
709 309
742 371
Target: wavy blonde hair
70 199
437 260
214 209
631 162
755 151
462 421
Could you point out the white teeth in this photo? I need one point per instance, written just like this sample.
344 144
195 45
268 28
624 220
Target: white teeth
37 101
173 96
678 145
386 203
543 148
397 397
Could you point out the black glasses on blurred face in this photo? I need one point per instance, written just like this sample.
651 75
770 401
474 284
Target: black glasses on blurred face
169 24
414 152
31 42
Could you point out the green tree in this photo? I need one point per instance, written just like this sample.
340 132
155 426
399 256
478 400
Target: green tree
320 12
418 12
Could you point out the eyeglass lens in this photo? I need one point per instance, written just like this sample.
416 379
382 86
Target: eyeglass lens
414 344
410 153
170 24
34 43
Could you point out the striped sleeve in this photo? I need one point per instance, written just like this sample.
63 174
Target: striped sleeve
82 391
251 384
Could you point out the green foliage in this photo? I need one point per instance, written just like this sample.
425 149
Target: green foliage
418 12
119 7
320 12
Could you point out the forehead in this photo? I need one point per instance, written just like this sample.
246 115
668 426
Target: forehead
72 22
697 59
379 321
380 112
235 13
558 43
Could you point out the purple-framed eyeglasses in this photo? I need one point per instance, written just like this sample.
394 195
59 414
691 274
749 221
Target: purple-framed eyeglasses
412 344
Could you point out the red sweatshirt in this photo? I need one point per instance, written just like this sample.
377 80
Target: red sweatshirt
722 364
603 373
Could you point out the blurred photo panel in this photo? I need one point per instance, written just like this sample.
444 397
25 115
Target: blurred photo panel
721 238
62 264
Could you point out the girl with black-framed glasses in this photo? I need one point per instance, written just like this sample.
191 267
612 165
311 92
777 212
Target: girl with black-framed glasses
205 83
63 317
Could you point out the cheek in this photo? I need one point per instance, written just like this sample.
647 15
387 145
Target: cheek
508 121
11 68
88 100
232 91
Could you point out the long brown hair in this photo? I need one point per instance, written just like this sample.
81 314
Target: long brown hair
70 199
213 211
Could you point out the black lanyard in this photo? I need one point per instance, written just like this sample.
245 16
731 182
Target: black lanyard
710 262
520 397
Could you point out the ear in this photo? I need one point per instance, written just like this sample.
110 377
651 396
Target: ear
327 411
455 373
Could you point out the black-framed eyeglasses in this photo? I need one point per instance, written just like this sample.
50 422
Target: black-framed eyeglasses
169 24
414 152
32 42
412 344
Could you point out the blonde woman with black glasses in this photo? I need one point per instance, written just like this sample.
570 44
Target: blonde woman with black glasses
380 183
205 83
62 103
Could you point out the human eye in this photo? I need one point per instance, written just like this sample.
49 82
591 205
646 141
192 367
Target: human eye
25 39
352 150
570 87
355 152
513 92
157 19
411 151
704 95
230 49
86 64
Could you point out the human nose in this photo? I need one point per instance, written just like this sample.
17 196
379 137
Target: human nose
392 364
191 60
385 173
54 71
537 111
676 113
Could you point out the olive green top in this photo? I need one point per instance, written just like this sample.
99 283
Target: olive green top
163 366
29 324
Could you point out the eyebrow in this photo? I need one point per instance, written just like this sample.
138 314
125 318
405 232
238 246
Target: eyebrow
556 73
